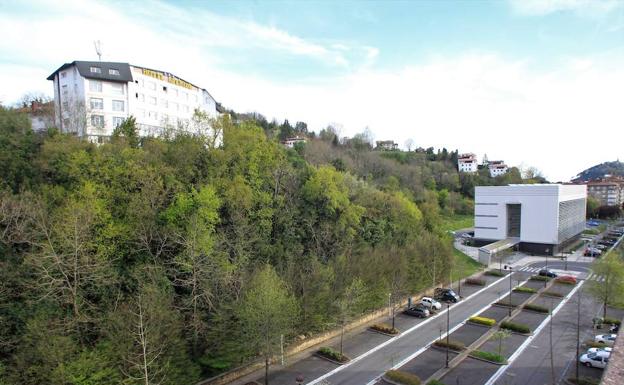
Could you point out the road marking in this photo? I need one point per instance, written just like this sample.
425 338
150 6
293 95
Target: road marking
419 351
503 368
380 346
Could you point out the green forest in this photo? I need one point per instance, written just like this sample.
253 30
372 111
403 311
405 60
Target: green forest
168 260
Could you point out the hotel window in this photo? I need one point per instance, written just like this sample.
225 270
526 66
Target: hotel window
141 97
95 70
117 88
186 108
118 105
164 88
195 98
95 86
164 103
176 92
152 115
97 120
140 112
174 106
151 85
117 121
113 71
63 74
151 100
96 103
64 89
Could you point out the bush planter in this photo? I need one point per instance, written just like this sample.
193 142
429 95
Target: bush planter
484 321
400 377
474 281
536 308
522 289
495 273
611 321
435 382
488 357
563 281
539 278
385 329
516 327
552 294
332 355
505 304
454 345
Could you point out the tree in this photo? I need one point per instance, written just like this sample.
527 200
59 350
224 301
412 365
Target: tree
348 305
409 144
609 290
592 207
500 335
128 130
267 312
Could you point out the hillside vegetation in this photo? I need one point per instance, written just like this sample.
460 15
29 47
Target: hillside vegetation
600 170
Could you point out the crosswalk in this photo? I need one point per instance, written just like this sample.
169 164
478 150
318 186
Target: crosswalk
589 277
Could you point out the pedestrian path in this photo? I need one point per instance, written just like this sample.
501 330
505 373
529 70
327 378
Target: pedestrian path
595 277
589 277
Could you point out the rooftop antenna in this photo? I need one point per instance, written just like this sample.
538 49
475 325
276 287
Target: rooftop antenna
98 49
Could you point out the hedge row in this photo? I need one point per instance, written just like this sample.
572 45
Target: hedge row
385 328
522 289
505 303
565 281
435 382
483 321
452 344
475 281
488 356
552 294
539 278
333 354
495 273
516 327
402 377
537 308
611 321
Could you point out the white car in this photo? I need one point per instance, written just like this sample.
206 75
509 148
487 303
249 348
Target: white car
606 349
430 303
605 338
595 360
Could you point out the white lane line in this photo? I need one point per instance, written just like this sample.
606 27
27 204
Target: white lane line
526 343
417 353
589 276
380 346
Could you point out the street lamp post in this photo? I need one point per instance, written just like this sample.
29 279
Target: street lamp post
578 333
448 323
510 274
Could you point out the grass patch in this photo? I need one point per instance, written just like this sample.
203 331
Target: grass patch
333 354
402 377
435 382
488 356
456 222
483 321
537 308
539 278
515 327
452 344
495 273
522 289
552 294
385 328
584 381
611 321
463 265
475 281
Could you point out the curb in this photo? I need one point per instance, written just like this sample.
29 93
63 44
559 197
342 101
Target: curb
488 361
383 333
317 354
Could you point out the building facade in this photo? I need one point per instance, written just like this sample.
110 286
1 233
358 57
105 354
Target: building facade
92 98
497 168
544 218
608 192
467 163
291 142
387 145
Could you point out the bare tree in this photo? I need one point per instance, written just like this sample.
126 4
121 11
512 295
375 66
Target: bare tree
409 144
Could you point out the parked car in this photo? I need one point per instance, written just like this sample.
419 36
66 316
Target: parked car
601 247
614 329
445 295
605 338
592 252
547 273
595 360
430 303
596 350
417 311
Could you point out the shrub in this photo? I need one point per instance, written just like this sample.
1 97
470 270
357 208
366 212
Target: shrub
584 381
495 273
385 328
611 321
452 344
566 280
552 294
505 303
594 344
402 377
475 281
539 278
488 356
516 327
333 354
522 289
435 382
537 308
483 321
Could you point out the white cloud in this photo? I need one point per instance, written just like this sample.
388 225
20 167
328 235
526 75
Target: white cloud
561 121
589 8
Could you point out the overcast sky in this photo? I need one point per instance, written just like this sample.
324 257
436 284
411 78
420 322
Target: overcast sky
535 83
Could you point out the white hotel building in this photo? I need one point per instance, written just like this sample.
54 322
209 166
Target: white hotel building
91 98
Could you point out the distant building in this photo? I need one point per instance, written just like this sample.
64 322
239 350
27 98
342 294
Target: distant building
41 115
387 145
497 168
467 163
92 98
609 191
290 142
539 218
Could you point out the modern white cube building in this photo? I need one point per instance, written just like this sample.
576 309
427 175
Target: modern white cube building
91 98
540 218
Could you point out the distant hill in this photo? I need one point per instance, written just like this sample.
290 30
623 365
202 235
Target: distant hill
600 170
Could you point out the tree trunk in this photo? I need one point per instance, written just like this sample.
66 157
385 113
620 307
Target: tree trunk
266 370
341 337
